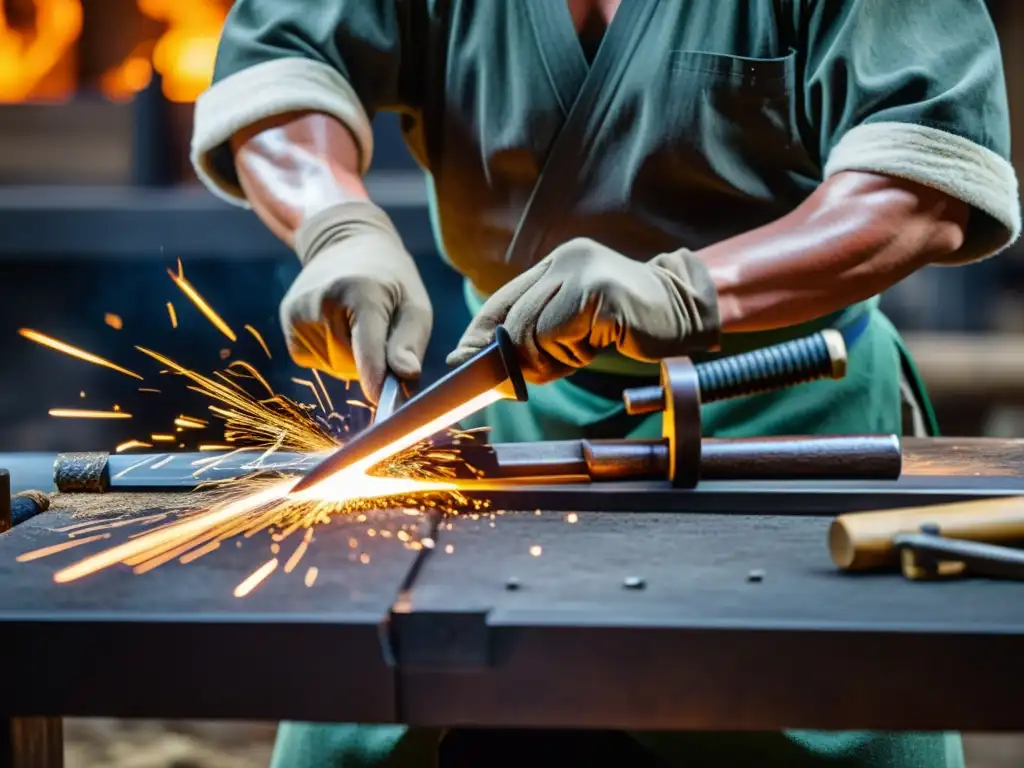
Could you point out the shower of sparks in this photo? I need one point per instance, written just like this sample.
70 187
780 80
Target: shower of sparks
79 413
257 422
193 295
67 349
256 335
114 321
172 314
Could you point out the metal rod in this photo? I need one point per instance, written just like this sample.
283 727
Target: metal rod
393 395
923 556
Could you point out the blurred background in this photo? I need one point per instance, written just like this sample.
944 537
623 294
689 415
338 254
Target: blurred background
98 202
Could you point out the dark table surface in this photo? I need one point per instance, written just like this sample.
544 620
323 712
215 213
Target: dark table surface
700 644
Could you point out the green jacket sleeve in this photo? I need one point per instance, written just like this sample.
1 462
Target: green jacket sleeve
914 89
346 58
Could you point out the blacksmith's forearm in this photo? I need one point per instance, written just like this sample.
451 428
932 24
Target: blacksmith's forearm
294 166
856 236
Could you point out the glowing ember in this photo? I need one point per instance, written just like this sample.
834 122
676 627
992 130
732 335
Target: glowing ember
257 578
173 315
114 321
259 339
208 312
67 349
78 413
130 444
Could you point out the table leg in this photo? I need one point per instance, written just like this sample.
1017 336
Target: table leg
32 742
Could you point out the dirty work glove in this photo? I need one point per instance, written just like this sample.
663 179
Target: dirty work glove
584 298
358 307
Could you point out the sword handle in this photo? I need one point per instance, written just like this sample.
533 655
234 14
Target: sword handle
818 356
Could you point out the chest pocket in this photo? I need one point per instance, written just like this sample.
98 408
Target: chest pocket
729 135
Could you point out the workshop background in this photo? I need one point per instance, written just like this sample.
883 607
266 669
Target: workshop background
97 202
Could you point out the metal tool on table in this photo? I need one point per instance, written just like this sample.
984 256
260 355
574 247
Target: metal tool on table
938 541
491 375
683 456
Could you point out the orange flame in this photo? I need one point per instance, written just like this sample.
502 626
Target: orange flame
183 55
32 61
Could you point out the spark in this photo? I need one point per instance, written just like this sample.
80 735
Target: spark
150 390
256 335
250 418
327 395
62 547
258 577
195 554
67 349
172 314
78 413
200 303
299 552
536 550
334 485
312 386
82 394
128 445
412 474
572 517
114 321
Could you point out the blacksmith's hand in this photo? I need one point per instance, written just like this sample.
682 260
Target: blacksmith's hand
584 298
358 307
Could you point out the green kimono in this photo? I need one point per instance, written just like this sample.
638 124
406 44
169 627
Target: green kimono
693 121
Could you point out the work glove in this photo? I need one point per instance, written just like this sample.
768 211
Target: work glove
584 298
358 308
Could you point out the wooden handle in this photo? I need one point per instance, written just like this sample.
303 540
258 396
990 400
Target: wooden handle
863 540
